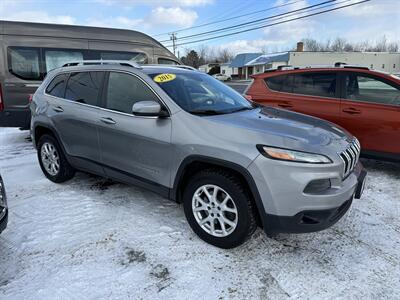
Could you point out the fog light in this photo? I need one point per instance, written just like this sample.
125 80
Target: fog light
318 186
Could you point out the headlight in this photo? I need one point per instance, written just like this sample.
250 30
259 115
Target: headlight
292 155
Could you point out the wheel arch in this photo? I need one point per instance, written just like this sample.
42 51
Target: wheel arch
40 129
194 163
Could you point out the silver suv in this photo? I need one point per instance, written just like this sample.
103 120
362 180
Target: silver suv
233 164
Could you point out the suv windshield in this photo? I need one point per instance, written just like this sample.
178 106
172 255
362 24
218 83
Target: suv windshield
200 93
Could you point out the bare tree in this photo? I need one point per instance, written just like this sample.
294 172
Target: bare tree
224 55
338 44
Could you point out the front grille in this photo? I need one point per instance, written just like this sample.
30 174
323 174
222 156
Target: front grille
350 157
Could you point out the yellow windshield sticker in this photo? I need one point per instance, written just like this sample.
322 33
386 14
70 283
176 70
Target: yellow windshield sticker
164 78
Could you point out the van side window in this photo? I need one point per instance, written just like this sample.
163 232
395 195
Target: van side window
138 57
165 61
124 90
24 62
57 58
56 87
84 87
368 89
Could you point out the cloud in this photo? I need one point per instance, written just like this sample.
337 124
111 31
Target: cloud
38 16
158 16
243 46
172 16
130 3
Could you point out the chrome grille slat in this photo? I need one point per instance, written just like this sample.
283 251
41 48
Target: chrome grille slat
350 157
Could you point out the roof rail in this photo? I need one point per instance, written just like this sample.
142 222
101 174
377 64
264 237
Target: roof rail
173 66
103 62
345 65
286 67
185 67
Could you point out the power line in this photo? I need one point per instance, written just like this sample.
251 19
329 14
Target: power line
273 24
252 22
289 14
231 18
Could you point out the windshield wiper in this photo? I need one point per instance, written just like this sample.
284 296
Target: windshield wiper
242 108
206 112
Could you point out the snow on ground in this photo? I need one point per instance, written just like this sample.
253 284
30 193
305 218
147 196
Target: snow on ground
92 238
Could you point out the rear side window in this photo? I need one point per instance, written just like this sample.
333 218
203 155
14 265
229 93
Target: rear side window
56 87
24 62
58 57
314 84
124 90
279 83
84 87
369 89
138 57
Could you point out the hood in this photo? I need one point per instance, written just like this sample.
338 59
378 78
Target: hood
299 128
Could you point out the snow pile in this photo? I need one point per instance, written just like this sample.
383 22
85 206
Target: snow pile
93 238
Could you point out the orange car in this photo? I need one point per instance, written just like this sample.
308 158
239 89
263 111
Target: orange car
363 101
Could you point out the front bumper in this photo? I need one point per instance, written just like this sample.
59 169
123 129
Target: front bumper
288 208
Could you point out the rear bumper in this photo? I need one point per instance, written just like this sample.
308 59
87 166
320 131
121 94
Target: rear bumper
15 118
3 221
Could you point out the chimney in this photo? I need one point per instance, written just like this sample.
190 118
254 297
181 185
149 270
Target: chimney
300 47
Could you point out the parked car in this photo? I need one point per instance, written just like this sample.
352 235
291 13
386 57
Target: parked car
29 50
365 102
191 138
3 206
222 77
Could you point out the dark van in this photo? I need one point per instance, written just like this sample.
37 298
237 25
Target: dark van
29 50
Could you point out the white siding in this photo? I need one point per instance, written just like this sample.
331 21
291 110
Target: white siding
388 62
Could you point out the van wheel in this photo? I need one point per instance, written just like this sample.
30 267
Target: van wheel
218 208
52 160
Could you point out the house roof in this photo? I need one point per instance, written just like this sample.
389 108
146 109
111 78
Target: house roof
268 58
241 59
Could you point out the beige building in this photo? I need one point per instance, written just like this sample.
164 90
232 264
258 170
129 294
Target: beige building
382 61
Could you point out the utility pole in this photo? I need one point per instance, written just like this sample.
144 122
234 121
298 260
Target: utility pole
173 38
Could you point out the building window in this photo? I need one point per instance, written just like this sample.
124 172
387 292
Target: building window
383 66
372 66
394 66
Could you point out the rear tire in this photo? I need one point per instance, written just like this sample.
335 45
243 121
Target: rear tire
226 219
52 160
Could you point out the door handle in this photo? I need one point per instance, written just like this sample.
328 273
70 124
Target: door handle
108 121
58 109
285 105
351 111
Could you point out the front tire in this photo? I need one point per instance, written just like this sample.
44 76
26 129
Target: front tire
53 161
219 209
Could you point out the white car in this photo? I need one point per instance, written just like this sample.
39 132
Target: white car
222 77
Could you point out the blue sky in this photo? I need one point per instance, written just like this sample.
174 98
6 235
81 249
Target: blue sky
369 21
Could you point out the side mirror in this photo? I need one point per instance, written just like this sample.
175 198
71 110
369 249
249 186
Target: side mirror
148 108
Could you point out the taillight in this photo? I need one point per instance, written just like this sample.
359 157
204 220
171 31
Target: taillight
1 100
248 97
30 98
